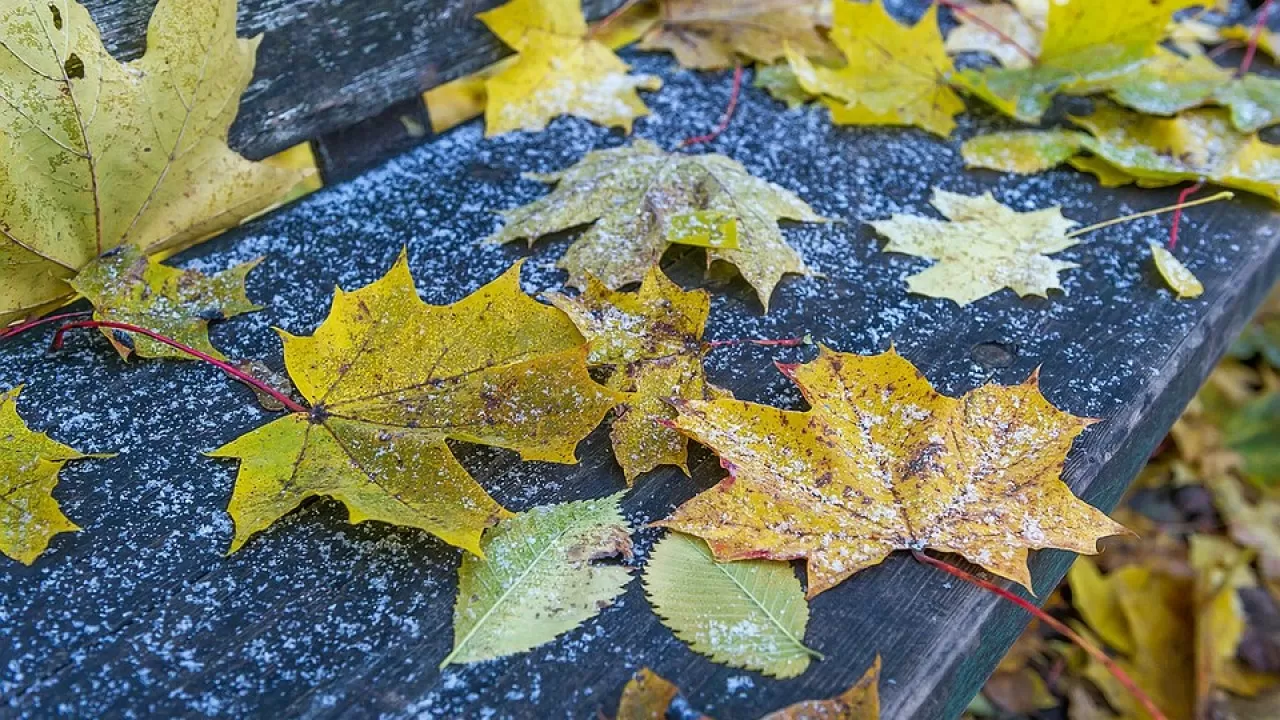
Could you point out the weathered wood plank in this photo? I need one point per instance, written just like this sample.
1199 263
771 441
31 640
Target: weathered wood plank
142 614
327 64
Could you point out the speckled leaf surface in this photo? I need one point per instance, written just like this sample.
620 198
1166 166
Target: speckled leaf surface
542 575
652 341
29 466
749 613
712 34
389 378
893 74
559 70
974 34
882 462
1170 83
981 248
99 154
1086 45
1179 277
629 195
126 286
1022 151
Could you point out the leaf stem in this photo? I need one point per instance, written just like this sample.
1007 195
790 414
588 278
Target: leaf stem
222 365
1058 626
728 113
23 327
964 13
1254 37
1177 214
784 342
1224 195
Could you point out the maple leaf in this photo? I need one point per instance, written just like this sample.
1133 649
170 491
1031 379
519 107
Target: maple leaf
983 247
29 466
652 339
712 34
560 70
1200 144
97 154
894 75
749 614
631 195
974 34
1169 83
389 379
538 578
1183 282
1085 46
125 285
882 462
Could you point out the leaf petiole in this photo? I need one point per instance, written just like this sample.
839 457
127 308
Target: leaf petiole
23 327
1058 626
222 365
1224 195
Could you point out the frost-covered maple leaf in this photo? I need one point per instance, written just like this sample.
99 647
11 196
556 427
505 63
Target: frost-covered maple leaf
982 247
634 196
389 379
97 154
882 462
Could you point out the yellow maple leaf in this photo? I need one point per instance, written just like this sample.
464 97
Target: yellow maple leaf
635 196
894 74
389 379
126 286
1086 45
97 154
652 339
560 70
981 248
29 466
712 34
882 462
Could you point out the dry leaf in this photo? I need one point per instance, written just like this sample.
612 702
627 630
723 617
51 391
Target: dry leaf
973 34
1086 45
560 70
389 379
981 248
713 34
646 697
126 286
29 466
631 194
652 339
894 75
98 154
1022 151
882 462
1169 83
1180 279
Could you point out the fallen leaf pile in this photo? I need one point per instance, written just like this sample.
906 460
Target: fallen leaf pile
635 198
1184 606
99 155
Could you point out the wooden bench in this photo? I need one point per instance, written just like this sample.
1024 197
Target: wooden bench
142 615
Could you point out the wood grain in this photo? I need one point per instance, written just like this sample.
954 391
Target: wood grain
327 64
